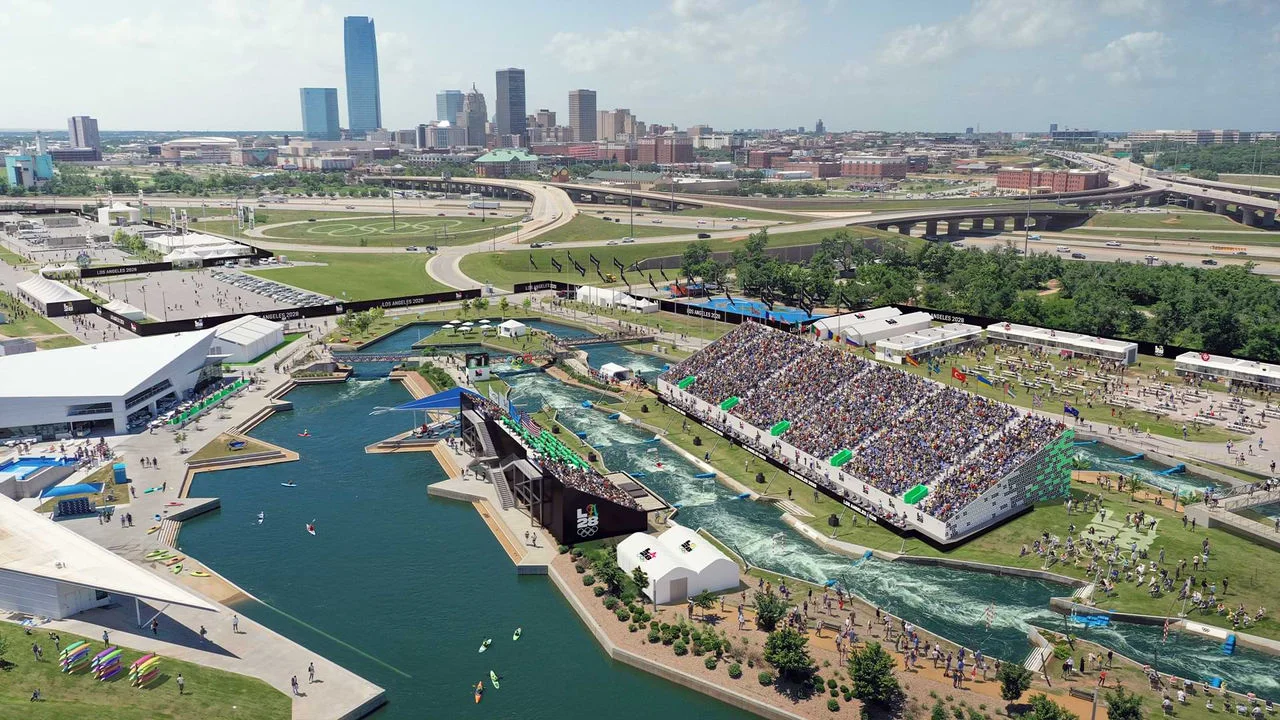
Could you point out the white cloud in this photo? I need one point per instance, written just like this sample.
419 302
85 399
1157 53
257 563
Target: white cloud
1134 59
989 23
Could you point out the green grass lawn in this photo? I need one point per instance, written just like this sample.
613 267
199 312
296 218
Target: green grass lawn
1271 181
507 267
1170 220
210 694
585 228
715 211
29 324
58 341
1243 562
1208 237
217 448
408 230
12 258
362 276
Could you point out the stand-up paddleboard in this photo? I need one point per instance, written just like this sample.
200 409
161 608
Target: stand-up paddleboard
485 645
261 516
516 635
289 484
493 678
479 690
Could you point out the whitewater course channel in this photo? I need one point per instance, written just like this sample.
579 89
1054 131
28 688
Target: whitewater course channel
402 589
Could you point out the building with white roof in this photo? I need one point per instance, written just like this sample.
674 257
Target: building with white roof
680 563
831 326
50 297
1076 343
198 244
244 339
125 310
48 570
870 331
101 387
1234 370
927 342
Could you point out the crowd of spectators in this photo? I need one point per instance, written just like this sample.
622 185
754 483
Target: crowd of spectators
902 429
584 479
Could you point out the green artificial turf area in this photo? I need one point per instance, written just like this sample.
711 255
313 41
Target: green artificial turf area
383 232
361 276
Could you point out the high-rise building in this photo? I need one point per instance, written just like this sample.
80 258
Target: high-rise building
83 131
582 115
448 105
364 98
475 115
320 114
545 118
820 128
1053 128
511 117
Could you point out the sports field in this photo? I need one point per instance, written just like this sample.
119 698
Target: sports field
356 276
1172 220
383 232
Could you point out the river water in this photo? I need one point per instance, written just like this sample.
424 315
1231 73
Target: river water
402 589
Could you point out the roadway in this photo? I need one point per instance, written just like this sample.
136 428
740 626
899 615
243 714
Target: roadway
1128 171
1266 259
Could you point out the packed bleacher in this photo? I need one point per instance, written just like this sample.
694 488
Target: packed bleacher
903 430
554 458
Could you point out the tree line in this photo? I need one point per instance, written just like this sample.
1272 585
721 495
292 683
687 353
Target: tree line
1228 310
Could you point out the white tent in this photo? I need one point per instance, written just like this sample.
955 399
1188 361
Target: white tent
680 563
246 338
513 329
614 371
183 256
124 309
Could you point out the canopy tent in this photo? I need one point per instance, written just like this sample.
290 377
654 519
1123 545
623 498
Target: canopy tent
447 400
513 328
124 309
77 489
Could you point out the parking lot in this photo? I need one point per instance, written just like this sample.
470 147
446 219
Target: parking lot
283 294
174 295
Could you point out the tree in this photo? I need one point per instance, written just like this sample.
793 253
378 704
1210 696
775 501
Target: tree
787 650
1042 708
527 304
463 307
641 579
1014 680
1123 705
705 600
871 676
695 258
610 574
770 608
504 305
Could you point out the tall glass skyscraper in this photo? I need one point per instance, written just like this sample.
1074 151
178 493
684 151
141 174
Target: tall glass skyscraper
320 113
448 105
364 99
511 118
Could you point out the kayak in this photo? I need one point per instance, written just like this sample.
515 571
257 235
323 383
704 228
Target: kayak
479 690
289 484
199 573
177 569
493 678
485 645
142 660
516 635
152 529
70 649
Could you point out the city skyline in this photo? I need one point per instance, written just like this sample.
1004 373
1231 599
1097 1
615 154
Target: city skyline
991 64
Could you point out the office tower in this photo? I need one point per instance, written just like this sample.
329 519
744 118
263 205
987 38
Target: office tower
1053 128
820 128
475 115
582 115
83 131
320 113
448 105
511 118
364 99
545 118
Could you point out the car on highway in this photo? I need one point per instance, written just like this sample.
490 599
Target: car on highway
1063 249
733 227
311 219
471 213
1113 243
612 242
545 243
1078 255
351 207
656 221
702 222
627 240
1208 261
1240 252
439 214
704 236
411 248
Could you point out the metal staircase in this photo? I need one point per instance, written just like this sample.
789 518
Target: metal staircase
499 481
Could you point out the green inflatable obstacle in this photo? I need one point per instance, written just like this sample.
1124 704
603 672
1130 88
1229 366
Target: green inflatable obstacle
685 383
915 495
730 403
841 457
780 427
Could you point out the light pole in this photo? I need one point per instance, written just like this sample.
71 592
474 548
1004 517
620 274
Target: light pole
631 199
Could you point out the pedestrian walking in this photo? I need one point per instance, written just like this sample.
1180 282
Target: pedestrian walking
204 634
106 639
311 673
155 627
182 685
235 624
293 683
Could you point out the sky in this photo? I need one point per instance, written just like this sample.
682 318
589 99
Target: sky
928 65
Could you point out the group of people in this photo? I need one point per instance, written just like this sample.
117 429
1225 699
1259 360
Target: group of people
902 429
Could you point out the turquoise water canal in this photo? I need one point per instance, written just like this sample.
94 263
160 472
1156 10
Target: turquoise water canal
1110 459
402 589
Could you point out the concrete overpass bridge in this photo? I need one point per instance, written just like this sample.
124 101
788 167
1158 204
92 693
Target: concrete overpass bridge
955 221
1254 210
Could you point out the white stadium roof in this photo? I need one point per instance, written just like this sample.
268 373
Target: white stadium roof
49 291
33 545
101 370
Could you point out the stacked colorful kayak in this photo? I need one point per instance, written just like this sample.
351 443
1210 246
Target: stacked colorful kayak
108 663
74 656
144 670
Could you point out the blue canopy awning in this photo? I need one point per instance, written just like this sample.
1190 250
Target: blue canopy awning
78 489
447 400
